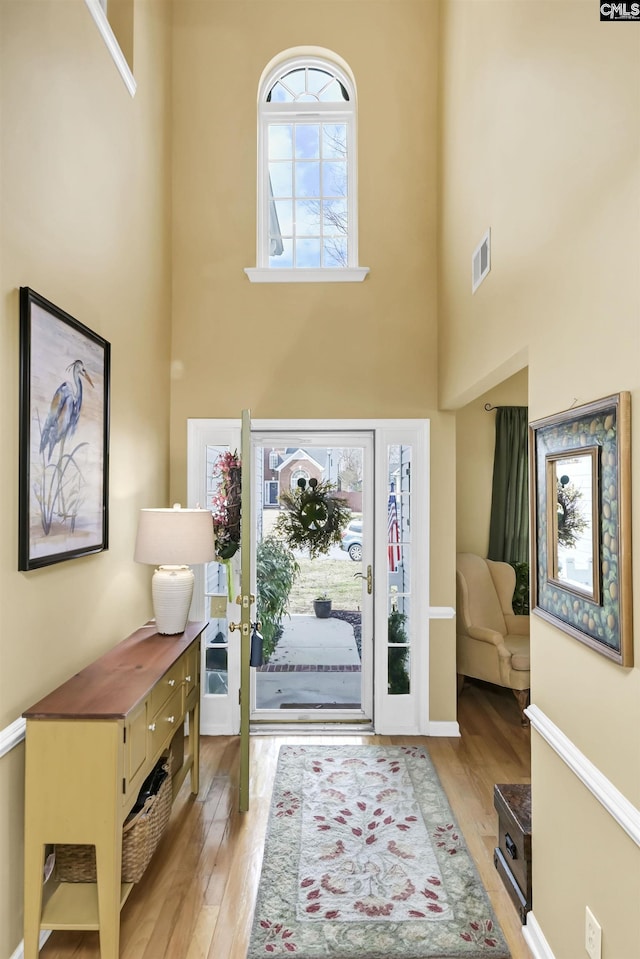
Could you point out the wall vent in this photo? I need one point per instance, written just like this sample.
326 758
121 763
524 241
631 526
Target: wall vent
481 261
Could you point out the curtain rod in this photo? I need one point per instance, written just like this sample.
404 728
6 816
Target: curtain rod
488 407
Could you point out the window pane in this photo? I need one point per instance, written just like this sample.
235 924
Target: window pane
284 213
307 141
317 79
295 81
307 253
334 217
308 217
334 178
335 251
334 140
278 94
403 509
400 603
281 182
216 656
398 671
285 259
333 93
399 567
400 468
307 179
280 141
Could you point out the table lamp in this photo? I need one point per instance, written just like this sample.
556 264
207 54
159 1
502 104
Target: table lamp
173 538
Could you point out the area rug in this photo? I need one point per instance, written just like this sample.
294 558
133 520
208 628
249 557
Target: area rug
363 860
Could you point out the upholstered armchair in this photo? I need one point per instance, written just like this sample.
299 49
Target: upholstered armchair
492 642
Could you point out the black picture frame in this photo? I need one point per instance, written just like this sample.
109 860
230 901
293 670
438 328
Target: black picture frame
594 440
64 436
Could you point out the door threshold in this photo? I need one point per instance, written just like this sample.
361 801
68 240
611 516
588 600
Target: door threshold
311 728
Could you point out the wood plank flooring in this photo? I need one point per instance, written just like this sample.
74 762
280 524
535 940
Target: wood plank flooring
196 898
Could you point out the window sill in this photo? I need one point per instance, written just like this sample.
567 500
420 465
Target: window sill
355 274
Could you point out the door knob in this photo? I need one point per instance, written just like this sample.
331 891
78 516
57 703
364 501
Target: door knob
369 578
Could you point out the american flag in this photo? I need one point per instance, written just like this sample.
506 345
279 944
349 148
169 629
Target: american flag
393 532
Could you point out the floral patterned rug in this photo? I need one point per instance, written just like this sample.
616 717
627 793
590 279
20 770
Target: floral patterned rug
364 860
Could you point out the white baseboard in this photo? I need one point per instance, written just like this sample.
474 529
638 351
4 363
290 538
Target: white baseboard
534 938
443 728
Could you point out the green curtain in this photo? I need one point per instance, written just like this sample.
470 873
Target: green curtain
509 528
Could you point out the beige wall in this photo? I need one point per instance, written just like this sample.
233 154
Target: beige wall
540 141
302 350
475 447
310 350
84 193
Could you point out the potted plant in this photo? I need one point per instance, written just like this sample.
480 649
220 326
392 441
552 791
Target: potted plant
322 606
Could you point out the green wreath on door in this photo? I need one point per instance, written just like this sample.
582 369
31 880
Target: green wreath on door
312 517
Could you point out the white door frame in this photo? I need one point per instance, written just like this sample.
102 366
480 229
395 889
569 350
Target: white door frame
363 439
408 715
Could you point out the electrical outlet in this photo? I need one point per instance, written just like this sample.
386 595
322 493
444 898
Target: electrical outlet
592 935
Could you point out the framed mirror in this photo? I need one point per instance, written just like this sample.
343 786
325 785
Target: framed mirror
573 542
580 470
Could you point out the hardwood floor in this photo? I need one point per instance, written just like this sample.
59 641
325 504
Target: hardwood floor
196 898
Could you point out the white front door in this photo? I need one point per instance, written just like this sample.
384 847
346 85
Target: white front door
393 593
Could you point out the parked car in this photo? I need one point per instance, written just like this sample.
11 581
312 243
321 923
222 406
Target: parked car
352 540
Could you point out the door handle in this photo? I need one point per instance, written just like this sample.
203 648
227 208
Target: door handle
369 578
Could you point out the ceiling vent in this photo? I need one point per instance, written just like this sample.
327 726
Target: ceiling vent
481 261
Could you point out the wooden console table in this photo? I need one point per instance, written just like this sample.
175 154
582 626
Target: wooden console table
90 745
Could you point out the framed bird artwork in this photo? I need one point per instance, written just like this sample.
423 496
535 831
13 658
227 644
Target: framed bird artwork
64 436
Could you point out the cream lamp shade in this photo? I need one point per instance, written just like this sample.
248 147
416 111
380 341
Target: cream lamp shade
173 539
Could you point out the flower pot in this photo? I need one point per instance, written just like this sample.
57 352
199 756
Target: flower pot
322 608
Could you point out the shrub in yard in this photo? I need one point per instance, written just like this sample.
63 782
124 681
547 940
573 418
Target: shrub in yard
398 677
275 573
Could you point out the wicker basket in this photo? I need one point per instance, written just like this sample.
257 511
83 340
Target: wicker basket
140 836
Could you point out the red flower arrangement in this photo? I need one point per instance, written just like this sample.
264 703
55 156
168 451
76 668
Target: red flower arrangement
225 505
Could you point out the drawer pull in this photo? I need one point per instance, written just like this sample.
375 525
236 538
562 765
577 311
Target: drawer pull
152 727
187 679
171 719
511 846
172 682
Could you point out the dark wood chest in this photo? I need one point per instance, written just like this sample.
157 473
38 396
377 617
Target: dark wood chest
512 855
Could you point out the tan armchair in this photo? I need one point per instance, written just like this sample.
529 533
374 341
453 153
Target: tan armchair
492 642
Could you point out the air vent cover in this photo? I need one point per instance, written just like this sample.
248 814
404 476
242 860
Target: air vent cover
481 261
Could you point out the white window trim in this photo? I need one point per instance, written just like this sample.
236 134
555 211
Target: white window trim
99 15
270 112
355 274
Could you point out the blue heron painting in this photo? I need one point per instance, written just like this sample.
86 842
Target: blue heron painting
64 435
64 411
59 492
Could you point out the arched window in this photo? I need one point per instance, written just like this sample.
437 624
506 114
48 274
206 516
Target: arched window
307 199
298 474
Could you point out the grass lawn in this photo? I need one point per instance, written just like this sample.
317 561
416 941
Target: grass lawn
332 576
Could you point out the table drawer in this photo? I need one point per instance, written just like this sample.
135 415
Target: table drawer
165 722
166 686
191 667
136 746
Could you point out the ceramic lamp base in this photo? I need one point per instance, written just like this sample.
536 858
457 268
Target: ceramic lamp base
171 590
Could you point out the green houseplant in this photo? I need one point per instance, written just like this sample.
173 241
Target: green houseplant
322 606
276 571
